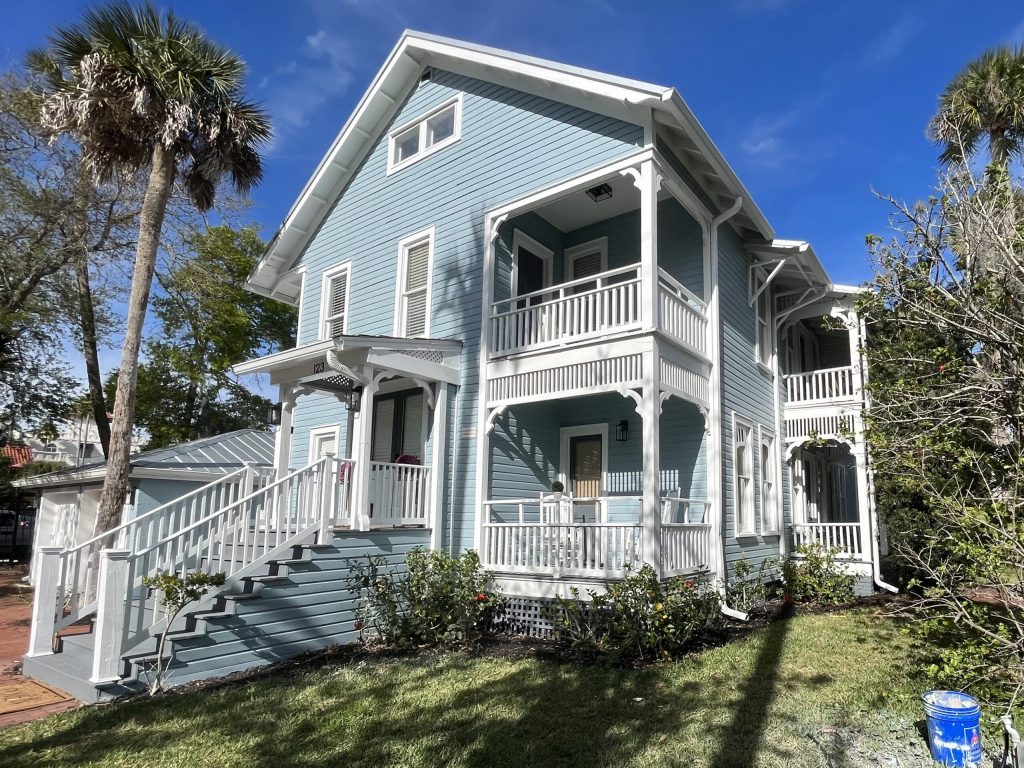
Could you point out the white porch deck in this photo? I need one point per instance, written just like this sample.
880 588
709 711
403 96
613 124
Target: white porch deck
538 537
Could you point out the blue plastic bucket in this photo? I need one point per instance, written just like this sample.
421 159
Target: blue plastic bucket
954 728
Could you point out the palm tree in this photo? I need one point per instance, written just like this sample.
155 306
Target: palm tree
143 91
985 101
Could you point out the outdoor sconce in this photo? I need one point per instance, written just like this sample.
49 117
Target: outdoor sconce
622 431
600 192
353 398
274 415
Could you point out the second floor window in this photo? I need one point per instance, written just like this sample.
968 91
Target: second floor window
769 473
427 134
413 310
764 318
334 302
743 475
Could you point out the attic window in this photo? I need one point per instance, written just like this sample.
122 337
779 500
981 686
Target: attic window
425 135
600 192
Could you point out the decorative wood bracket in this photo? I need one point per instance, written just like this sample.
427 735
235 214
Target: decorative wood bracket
288 401
665 395
495 226
428 393
491 417
633 173
339 367
637 398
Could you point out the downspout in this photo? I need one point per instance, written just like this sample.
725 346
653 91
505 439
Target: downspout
876 570
454 406
715 323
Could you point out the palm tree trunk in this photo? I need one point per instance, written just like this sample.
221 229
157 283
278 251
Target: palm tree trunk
154 207
90 353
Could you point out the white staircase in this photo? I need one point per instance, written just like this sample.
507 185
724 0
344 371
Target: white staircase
245 526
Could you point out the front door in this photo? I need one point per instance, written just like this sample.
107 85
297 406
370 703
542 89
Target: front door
530 275
585 470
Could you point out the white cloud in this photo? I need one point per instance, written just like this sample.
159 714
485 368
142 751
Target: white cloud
294 92
892 41
766 143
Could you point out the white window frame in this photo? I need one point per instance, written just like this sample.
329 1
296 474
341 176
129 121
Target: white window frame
758 276
421 124
404 245
522 240
325 283
749 496
600 245
333 430
565 435
770 508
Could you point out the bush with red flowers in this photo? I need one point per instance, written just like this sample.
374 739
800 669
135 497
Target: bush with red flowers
431 599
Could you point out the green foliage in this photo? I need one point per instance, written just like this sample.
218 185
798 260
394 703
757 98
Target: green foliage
815 577
751 588
440 599
557 487
177 592
639 617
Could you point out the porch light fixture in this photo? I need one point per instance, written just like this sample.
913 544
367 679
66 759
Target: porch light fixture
602 191
622 431
353 398
274 415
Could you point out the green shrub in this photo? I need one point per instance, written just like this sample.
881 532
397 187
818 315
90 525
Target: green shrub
639 617
438 599
816 577
751 588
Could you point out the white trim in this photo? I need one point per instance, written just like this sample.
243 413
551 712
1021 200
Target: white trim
302 300
771 522
421 123
570 255
760 291
522 240
404 246
323 334
565 435
316 433
740 421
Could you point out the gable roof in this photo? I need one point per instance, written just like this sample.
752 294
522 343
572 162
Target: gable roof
630 100
217 455
19 455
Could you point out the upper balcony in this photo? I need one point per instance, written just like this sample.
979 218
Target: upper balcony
601 306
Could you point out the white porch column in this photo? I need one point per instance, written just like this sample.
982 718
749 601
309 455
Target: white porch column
649 408
283 439
111 605
362 454
649 183
45 600
329 500
438 463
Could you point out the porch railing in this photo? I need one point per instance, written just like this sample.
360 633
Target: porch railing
844 537
821 386
685 548
398 494
681 314
579 309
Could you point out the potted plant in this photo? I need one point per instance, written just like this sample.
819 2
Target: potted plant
557 489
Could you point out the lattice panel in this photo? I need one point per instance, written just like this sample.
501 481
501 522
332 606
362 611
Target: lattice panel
528 617
683 379
430 355
579 376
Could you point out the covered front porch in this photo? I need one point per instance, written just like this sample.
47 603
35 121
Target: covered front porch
386 458
615 510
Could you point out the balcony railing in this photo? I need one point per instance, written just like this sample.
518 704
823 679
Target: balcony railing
398 494
821 386
844 538
681 315
580 309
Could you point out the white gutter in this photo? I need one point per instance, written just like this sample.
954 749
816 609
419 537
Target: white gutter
715 415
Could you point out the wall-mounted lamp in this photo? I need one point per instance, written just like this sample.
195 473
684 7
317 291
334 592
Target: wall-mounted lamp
353 398
274 415
622 431
601 192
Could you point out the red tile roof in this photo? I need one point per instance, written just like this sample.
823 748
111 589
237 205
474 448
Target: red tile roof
20 455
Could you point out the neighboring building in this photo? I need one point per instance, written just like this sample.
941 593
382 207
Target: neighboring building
68 499
77 443
510 272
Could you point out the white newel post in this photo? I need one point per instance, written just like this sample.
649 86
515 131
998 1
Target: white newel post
248 480
362 456
329 502
650 511
45 601
438 464
111 604
283 439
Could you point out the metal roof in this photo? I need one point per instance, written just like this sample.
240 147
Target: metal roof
217 455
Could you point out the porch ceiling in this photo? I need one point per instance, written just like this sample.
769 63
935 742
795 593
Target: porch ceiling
328 364
577 210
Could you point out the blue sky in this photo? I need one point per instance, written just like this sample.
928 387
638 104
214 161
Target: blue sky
813 103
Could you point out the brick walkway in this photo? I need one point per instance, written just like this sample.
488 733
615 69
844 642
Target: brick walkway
15 617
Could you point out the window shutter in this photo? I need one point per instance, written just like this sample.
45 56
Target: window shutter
586 266
417 271
336 305
383 429
412 427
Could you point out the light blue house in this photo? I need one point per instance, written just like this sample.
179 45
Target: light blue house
513 277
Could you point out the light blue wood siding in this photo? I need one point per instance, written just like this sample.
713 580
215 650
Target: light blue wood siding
153 492
512 144
312 608
747 390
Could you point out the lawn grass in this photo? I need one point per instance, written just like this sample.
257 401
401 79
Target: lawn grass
761 701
